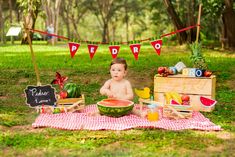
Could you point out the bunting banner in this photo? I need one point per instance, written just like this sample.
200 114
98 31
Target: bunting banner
114 50
92 50
135 49
157 45
73 47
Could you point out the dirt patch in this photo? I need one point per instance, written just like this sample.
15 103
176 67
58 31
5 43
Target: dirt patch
22 129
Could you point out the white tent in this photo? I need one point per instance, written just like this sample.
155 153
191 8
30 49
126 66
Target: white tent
13 31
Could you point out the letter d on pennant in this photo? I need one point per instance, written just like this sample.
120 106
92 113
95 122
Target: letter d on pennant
114 50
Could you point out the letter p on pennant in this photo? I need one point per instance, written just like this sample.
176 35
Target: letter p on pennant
73 47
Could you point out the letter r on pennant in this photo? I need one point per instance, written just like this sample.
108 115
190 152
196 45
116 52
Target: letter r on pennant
136 50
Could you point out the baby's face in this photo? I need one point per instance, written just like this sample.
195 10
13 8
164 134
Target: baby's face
117 71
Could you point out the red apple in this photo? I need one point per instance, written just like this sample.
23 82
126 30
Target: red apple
63 94
207 73
185 98
161 70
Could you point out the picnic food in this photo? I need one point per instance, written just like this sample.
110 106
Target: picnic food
73 90
173 102
115 107
207 102
207 73
173 95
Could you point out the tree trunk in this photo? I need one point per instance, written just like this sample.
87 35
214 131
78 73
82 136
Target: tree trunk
30 24
105 32
11 19
127 22
228 17
182 37
1 23
191 21
57 11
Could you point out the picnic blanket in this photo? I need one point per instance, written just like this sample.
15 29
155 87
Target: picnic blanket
84 121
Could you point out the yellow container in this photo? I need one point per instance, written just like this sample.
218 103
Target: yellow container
153 116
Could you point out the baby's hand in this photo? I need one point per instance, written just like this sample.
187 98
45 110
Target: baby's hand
110 94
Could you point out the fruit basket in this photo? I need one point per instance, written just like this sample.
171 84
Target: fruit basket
115 107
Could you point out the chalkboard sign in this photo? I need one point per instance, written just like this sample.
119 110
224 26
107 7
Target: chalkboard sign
38 95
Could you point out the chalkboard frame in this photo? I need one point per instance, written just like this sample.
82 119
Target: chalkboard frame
46 96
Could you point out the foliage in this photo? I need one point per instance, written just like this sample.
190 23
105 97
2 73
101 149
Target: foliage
28 6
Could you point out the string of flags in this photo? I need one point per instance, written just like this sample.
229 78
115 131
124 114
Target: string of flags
114 49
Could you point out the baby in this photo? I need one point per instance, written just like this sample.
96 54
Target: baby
117 86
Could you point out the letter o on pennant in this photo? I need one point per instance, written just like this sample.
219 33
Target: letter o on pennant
157 46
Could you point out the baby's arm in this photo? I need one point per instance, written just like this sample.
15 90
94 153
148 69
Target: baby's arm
105 89
129 91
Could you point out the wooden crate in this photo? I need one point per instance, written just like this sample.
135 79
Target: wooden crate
72 104
177 111
192 86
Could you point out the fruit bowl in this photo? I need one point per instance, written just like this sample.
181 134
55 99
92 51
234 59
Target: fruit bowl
115 107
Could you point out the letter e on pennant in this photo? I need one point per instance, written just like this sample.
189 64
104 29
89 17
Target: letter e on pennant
92 50
135 49
114 50
157 45
73 47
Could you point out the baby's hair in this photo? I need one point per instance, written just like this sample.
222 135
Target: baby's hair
119 61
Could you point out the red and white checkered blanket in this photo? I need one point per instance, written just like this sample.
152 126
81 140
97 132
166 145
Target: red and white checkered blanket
83 120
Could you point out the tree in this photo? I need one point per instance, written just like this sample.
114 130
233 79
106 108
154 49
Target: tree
72 13
104 10
182 37
228 17
52 11
30 8
221 10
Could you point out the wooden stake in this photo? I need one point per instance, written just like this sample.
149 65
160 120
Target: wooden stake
32 53
198 22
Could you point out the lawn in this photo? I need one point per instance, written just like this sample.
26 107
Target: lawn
18 138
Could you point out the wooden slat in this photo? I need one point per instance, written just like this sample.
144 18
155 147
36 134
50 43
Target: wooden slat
182 84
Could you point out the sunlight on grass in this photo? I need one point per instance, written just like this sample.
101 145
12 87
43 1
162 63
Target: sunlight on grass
17 72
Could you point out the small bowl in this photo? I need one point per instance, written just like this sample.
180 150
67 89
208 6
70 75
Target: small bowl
115 107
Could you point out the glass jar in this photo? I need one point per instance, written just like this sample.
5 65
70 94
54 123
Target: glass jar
153 114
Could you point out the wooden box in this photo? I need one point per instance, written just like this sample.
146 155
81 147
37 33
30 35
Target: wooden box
192 86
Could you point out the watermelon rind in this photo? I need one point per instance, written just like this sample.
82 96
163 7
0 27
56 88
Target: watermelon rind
73 90
173 102
207 102
115 111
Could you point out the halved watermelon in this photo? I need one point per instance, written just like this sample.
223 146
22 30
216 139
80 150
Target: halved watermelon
173 102
207 102
115 107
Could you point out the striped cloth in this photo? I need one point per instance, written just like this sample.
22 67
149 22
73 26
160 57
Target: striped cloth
84 121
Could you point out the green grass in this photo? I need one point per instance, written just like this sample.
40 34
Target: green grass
17 138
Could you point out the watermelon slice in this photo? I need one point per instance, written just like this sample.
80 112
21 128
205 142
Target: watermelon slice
173 102
207 102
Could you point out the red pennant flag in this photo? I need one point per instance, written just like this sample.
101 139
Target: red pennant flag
157 45
135 48
92 49
114 50
73 47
